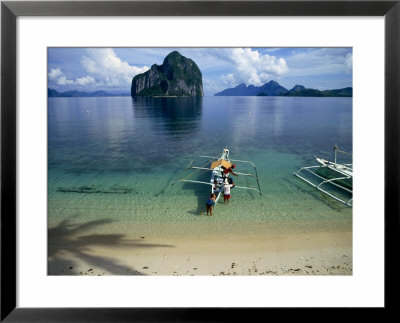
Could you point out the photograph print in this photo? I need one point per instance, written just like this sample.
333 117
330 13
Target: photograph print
200 161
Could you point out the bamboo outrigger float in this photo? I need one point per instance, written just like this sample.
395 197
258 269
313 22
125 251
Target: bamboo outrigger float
331 173
217 181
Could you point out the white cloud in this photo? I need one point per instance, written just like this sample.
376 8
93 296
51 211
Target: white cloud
55 73
62 80
109 70
229 80
252 67
104 70
349 62
320 61
245 65
85 80
59 78
211 87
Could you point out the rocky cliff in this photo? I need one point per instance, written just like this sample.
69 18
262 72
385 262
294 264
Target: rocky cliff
177 76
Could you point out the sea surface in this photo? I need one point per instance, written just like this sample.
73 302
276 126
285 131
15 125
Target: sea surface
119 158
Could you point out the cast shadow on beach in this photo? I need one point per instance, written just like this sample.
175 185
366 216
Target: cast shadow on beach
69 240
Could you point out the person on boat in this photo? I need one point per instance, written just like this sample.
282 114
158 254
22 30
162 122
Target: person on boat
210 203
227 191
227 171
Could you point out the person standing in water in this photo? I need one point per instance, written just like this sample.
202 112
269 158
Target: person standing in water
210 203
227 191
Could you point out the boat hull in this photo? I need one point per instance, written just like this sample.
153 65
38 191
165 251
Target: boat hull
331 178
217 180
331 174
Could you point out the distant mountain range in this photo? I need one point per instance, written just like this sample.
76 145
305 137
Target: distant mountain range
273 88
54 93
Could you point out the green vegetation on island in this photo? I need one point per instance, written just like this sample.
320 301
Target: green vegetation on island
177 76
273 88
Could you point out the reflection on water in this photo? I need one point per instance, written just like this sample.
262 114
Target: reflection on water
125 134
171 116
119 134
121 154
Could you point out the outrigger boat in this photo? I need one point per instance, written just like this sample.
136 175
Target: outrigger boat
331 176
217 181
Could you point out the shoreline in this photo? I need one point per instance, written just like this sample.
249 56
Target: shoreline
186 249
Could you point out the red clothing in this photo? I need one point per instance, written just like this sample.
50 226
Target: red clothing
228 170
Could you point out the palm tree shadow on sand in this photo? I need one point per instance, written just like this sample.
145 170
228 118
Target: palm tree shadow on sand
68 240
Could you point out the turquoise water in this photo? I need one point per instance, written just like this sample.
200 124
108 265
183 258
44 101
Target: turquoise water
117 157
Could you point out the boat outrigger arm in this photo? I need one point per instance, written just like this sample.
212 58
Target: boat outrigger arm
217 170
255 175
343 175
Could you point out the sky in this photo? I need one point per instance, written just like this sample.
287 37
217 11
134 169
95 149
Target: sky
112 69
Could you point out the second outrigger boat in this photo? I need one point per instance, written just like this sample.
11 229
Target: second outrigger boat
332 177
217 181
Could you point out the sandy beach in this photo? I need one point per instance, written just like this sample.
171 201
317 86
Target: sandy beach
103 248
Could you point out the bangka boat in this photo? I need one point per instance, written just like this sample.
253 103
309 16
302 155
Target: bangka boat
331 177
217 181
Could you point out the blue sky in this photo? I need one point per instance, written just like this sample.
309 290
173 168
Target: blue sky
112 69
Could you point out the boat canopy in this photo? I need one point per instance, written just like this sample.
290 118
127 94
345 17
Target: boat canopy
215 168
220 162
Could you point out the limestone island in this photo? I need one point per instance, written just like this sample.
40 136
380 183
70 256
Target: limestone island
178 76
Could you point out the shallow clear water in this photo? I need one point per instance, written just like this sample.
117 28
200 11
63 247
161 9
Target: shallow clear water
116 157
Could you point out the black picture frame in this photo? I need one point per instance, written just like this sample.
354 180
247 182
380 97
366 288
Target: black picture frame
10 10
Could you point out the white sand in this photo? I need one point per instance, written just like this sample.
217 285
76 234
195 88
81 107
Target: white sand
214 249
